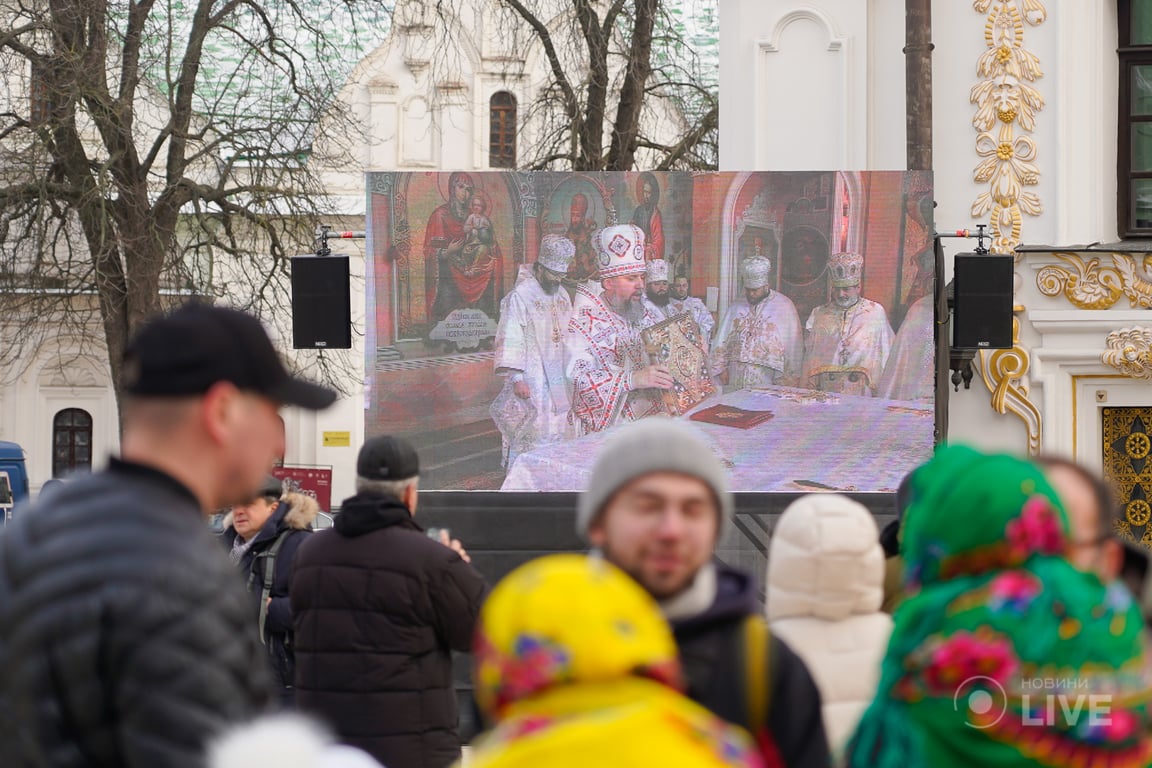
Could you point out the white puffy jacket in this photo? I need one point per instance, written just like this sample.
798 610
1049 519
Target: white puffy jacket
825 585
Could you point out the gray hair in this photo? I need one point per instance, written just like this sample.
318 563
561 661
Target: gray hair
393 488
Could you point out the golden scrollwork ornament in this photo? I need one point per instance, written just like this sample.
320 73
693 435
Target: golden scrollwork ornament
1129 350
1005 99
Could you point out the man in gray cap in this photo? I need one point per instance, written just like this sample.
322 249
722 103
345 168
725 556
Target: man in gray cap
378 608
656 506
532 408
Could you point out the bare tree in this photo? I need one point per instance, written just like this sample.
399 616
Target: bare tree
627 84
155 148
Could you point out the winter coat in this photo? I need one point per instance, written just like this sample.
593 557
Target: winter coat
292 520
576 667
711 651
378 608
825 584
125 634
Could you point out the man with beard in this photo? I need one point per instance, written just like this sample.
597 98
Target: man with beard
656 287
848 339
759 342
647 215
530 352
606 363
657 505
680 302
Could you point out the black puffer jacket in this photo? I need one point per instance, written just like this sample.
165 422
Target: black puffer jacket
378 607
711 650
292 520
125 633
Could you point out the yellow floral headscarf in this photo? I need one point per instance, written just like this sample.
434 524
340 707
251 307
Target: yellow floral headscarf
564 619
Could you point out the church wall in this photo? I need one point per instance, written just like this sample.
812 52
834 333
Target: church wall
1020 399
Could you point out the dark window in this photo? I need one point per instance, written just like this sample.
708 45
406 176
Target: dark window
39 97
71 442
1134 152
502 130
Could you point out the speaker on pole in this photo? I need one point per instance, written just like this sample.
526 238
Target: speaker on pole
321 303
982 309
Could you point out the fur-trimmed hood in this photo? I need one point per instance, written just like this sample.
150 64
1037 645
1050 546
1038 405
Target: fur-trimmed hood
302 510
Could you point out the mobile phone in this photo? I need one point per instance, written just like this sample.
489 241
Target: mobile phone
434 533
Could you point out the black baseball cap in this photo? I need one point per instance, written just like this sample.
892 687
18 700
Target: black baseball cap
387 458
188 350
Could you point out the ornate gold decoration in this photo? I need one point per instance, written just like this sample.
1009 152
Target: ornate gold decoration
1130 352
1006 97
1004 372
1088 284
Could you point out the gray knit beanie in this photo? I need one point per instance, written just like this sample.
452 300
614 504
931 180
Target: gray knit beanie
652 445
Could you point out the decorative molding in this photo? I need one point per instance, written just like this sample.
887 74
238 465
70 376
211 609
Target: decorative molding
835 42
1087 284
1130 352
1006 96
1005 374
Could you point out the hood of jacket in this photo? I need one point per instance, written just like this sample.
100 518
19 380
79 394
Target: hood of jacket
367 512
824 560
735 597
297 511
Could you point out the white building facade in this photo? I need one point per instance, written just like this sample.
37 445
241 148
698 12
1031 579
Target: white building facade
1037 130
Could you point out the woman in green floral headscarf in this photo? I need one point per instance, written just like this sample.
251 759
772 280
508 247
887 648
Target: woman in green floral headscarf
1003 653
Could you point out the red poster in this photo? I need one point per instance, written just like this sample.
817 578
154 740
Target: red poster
312 481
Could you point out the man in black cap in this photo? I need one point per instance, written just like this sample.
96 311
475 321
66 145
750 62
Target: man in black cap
125 634
378 608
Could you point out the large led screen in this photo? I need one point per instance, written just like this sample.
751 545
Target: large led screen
516 319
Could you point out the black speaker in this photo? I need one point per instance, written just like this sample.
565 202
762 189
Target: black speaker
321 303
982 303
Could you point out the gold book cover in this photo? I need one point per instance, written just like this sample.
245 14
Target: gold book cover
676 343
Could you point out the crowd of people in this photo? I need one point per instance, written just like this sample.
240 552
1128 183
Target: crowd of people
129 636
575 362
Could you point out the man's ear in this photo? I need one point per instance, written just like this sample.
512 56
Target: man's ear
410 496
217 410
597 536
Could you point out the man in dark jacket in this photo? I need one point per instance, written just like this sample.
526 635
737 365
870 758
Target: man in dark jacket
655 506
262 539
379 607
125 634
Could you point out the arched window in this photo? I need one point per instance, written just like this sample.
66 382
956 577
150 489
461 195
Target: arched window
71 441
502 130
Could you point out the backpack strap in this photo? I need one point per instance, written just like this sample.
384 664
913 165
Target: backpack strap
758 669
269 562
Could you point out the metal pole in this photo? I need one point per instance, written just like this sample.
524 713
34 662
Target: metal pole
918 82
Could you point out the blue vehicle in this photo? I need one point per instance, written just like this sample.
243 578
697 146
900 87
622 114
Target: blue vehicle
13 478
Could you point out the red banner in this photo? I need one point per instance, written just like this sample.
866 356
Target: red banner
310 481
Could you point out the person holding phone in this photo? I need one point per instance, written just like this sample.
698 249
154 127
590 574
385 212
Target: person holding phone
378 609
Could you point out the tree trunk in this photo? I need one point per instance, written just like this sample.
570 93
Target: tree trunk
918 83
626 130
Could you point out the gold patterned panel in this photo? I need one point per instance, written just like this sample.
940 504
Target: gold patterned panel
1090 284
1005 100
1128 467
